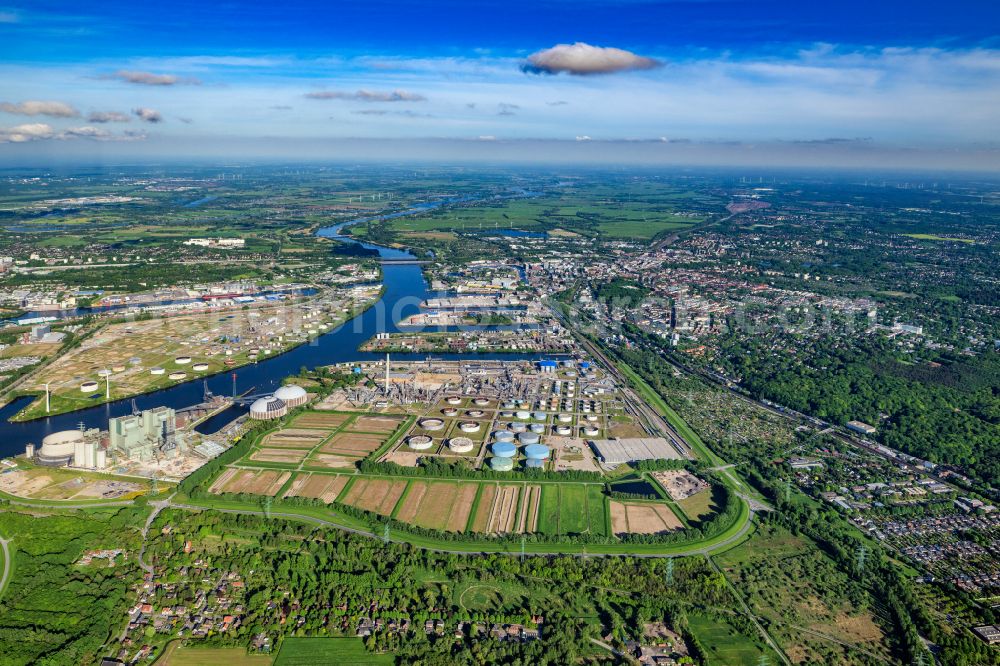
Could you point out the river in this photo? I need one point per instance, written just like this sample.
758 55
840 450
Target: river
405 288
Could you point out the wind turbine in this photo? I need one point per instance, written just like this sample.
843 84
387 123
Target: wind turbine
46 398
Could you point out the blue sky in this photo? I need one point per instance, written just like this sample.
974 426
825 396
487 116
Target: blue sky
146 78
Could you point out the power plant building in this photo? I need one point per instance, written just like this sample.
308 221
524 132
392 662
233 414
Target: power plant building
66 447
147 435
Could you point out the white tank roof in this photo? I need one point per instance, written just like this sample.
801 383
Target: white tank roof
268 403
290 392
61 443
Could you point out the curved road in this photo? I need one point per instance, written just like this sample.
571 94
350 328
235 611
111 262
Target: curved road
8 564
703 550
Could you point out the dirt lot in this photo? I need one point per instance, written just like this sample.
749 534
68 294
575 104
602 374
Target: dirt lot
441 506
680 483
280 455
64 484
481 523
324 487
502 514
266 482
382 425
642 518
408 512
404 458
222 480
571 453
331 461
527 520
320 421
377 495
352 444
295 438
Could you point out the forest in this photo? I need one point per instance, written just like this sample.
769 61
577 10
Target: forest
945 411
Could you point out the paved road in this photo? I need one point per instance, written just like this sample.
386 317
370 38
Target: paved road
157 508
8 563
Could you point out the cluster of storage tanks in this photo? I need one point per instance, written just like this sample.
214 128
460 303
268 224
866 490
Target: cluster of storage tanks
505 446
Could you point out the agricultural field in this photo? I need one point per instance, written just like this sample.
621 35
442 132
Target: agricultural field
256 482
294 438
320 420
325 487
177 655
324 440
352 444
380 425
642 518
441 505
807 601
572 509
573 212
506 508
310 651
282 456
376 495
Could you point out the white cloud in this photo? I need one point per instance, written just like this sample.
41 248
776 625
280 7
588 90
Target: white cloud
149 78
86 132
25 133
40 108
44 131
148 115
369 95
583 59
108 117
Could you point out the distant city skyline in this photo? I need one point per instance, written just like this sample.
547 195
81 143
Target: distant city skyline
877 84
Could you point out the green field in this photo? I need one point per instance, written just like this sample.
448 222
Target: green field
933 237
572 509
333 651
725 645
210 656
577 212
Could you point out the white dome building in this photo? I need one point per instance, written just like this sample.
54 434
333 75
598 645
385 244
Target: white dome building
267 408
292 395
57 448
